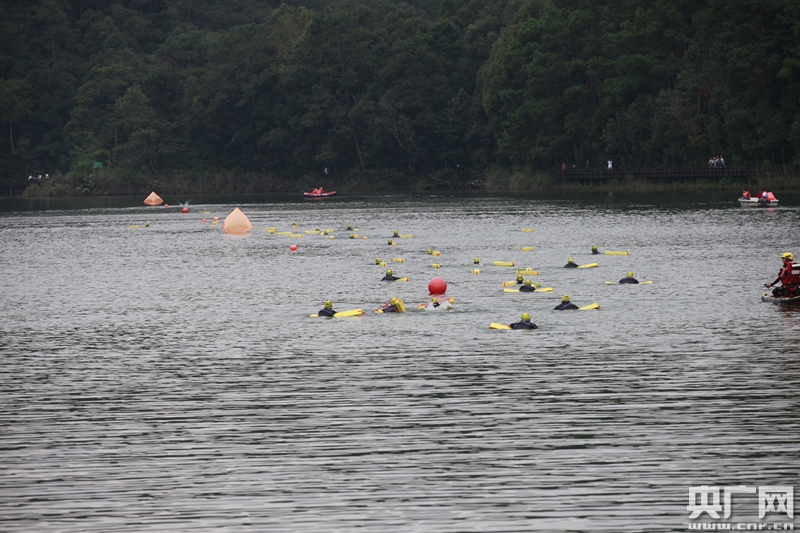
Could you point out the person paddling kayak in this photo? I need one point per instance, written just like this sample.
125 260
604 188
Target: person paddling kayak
629 278
790 283
565 304
328 310
570 264
389 276
524 323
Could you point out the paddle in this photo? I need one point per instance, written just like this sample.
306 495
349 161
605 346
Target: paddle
342 314
495 325
538 289
650 282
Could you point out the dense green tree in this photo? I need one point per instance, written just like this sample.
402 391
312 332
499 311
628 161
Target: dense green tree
432 91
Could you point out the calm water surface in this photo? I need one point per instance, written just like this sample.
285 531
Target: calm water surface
168 378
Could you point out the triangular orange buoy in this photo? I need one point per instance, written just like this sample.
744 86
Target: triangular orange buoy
153 199
237 223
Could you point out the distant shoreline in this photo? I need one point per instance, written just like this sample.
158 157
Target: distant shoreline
107 183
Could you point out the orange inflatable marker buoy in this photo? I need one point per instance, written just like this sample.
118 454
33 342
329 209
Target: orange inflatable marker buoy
153 199
237 223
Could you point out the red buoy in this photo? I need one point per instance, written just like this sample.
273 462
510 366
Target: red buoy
293 247
203 220
437 286
185 210
166 205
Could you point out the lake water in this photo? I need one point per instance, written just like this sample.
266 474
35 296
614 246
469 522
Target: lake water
168 378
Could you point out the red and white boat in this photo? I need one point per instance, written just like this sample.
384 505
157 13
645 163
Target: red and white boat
319 193
759 201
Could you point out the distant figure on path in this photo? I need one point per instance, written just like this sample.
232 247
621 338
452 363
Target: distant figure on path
610 165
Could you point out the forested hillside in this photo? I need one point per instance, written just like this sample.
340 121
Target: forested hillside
253 94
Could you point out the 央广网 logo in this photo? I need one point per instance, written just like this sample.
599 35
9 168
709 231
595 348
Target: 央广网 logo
773 500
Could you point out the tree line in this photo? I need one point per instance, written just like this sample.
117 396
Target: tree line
390 94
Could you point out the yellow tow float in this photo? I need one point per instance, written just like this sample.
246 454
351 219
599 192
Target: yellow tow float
343 314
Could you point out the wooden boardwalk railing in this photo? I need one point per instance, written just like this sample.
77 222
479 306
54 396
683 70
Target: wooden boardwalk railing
653 175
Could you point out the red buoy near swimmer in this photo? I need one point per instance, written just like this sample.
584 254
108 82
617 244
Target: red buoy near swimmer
437 286
185 210
293 247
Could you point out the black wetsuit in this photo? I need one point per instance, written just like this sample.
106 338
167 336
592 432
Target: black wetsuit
326 312
629 280
564 306
391 309
595 252
389 278
571 265
525 324
526 288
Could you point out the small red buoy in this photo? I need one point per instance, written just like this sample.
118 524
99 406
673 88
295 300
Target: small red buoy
216 219
293 247
203 220
185 210
437 286
166 205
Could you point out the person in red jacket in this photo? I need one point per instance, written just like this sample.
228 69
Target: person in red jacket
790 283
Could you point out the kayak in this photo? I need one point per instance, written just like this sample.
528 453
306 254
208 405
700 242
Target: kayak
767 297
319 194
753 202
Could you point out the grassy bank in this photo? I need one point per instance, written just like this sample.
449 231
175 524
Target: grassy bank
111 182
502 180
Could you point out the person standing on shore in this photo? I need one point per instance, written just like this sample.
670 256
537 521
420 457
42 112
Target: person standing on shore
610 165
